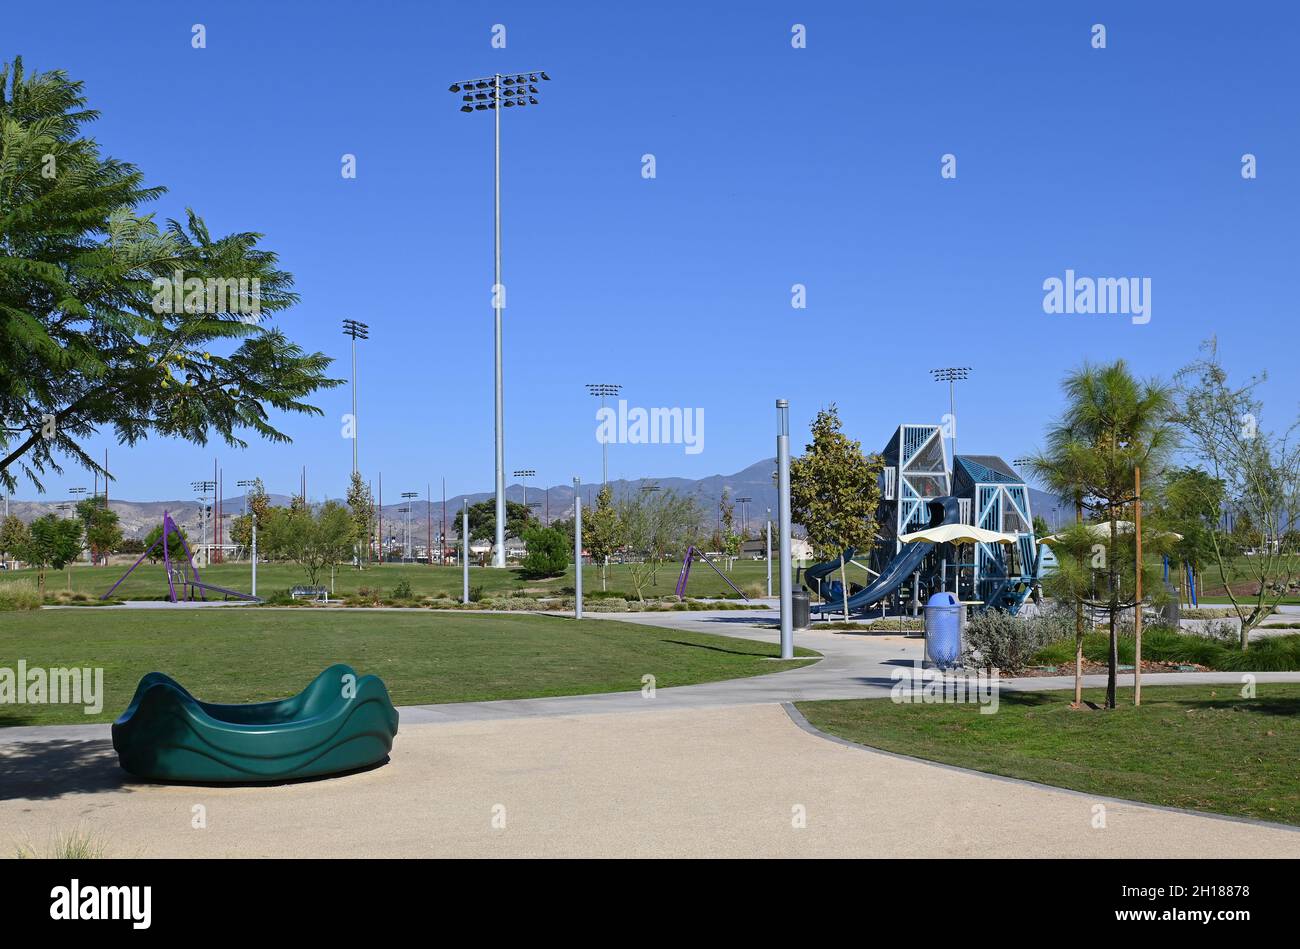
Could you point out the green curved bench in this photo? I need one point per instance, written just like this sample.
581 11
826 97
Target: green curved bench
340 722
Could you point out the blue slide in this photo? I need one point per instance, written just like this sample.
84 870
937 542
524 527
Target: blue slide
905 563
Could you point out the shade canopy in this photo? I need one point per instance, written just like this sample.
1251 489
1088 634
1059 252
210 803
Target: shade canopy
1102 532
958 534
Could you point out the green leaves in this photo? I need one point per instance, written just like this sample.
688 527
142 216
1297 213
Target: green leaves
835 489
106 320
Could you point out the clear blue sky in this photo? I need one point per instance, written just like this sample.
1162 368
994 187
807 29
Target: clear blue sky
775 166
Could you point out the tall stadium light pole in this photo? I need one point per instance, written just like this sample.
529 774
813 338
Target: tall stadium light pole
952 375
495 94
577 548
356 330
783 518
523 474
204 487
246 484
602 391
408 496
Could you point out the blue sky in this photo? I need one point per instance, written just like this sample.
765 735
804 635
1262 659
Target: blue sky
774 165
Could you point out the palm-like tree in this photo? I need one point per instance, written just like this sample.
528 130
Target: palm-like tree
1113 423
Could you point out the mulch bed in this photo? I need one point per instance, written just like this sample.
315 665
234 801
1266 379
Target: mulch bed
1100 668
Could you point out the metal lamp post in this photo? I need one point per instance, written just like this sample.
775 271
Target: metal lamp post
577 548
356 330
952 375
246 484
204 487
408 496
603 390
464 551
496 93
523 474
783 517
769 552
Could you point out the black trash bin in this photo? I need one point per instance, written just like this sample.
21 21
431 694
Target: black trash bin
801 607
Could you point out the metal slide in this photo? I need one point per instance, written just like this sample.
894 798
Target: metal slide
906 562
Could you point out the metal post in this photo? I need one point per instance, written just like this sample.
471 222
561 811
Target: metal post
577 548
783 518
500 558
769 552
354 405
464 551
254 555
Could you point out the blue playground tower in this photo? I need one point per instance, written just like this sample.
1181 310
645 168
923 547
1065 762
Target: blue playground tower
921 487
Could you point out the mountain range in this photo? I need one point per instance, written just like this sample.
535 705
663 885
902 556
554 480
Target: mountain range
755 482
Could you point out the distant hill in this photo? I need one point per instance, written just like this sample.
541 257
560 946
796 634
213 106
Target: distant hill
755 482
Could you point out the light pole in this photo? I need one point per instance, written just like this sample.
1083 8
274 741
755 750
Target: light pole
464 550
407 496
769 552
246 484
203 487
523 474
496 93
602 390
952 375
783 517
577 548
356 330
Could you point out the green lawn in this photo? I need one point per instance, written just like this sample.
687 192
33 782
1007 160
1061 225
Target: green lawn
148 582
1198 747
236 654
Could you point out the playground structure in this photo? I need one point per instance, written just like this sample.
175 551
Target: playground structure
691 554
184 574
922 489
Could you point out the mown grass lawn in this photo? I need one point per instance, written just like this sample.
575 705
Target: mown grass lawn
1200 747
238 654
149 582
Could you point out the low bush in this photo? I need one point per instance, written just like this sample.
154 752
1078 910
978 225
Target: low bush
19 595
997 640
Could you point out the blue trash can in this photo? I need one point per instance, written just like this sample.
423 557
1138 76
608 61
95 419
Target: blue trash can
943 629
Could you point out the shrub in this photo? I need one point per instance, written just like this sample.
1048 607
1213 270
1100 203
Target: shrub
19 595
403 590
475 594
548 553
997 640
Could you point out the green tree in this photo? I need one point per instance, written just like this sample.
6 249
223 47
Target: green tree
483 519
313 539
656 525
602 532
52 541
361 506
1260 472
177 543
1191 506
1115 424
729 540
835 493
548 553
88 338
103 533
13 536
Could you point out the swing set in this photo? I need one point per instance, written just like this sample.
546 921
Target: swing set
691 553
184 575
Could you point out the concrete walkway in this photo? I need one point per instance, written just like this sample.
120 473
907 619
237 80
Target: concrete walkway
717 782
710 770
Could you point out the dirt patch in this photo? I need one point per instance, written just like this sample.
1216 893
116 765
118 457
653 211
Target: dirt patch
1100 668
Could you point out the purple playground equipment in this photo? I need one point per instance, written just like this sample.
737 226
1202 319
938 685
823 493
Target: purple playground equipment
691 554
186 575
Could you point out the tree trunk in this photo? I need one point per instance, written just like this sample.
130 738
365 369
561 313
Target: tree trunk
1078 623
1112 663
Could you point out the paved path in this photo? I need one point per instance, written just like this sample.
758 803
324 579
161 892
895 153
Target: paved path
708 770
737 782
